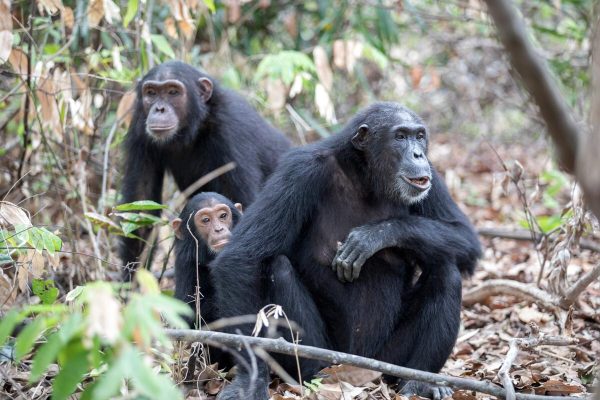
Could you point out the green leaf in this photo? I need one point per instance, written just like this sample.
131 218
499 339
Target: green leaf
43 239
210 4
107 386
48 351
26 339
8 323
148 383
71 373
45 290
162 45
284 65
132 7
5 257
142 205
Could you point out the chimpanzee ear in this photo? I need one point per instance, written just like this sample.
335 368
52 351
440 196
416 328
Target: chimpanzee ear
360 137
176 224
239 207
206 88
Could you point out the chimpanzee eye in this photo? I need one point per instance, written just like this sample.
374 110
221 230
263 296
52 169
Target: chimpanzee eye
420 136
400 136
150 92
224 215
173 92
205 220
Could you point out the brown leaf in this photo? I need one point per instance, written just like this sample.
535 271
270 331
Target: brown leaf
125 107
347 373
5 17
18 62
170 28
463 395
6 38
557 388
95 12
14 214
68 17
22 274
50 6
323 69
46 93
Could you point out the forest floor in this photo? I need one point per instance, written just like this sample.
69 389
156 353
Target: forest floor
474 172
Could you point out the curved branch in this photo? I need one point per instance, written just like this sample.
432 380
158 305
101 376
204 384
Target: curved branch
335 357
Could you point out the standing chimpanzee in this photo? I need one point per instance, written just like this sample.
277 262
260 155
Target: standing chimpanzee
202 230
371 187
185 123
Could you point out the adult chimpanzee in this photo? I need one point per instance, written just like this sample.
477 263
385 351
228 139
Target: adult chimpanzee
184 122
202 230
372 187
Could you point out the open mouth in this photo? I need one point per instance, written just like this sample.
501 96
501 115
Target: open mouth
421 182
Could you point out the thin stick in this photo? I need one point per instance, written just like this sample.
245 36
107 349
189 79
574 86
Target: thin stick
335 357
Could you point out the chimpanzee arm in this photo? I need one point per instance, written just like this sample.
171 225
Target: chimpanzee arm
143 180
269 228
436 230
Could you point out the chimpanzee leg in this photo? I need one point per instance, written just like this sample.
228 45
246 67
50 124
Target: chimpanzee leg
428 327
284 288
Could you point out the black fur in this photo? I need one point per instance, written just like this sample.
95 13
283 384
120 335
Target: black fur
224 129
331 192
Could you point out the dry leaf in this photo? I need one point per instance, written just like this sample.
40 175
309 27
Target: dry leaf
18 61
95 12
104 317
5 17
529 314
125 107
50 6
14 214
46 93
324 104
38 264
6 38
323 69
347 373
234 11
22 274
6 290
68 17
170 28
276 94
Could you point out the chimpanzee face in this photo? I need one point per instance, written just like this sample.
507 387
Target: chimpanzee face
396 150
212 222
166 107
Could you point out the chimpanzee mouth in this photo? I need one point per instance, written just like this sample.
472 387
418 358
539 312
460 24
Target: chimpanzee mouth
162 129
421 183
220 244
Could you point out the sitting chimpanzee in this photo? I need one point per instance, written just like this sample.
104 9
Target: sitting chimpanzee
185 123
371 187
202 230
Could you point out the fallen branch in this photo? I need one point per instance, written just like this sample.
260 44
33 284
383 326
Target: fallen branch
522 234
335 357
495 287
526 343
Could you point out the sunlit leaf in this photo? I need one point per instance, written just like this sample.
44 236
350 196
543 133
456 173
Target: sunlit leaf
26 339
47 353
162 45
45 290
132 7
8 324
210 4
142 205
71 373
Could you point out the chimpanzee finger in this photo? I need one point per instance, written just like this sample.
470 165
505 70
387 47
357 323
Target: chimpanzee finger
340 271
357 266
347 271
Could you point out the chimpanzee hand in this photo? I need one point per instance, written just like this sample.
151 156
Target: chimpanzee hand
361 244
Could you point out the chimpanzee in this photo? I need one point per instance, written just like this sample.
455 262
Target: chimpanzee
364 199
202 230
185 123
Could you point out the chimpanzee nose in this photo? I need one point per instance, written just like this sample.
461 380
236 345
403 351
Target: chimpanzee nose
218 229
159 109
417 154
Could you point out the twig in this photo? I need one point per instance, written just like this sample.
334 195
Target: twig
521 234
524 291
526 343
537 80
582 283
201 182
335 357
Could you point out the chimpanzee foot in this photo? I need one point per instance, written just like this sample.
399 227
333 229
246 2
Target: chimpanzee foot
423 389
242 387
